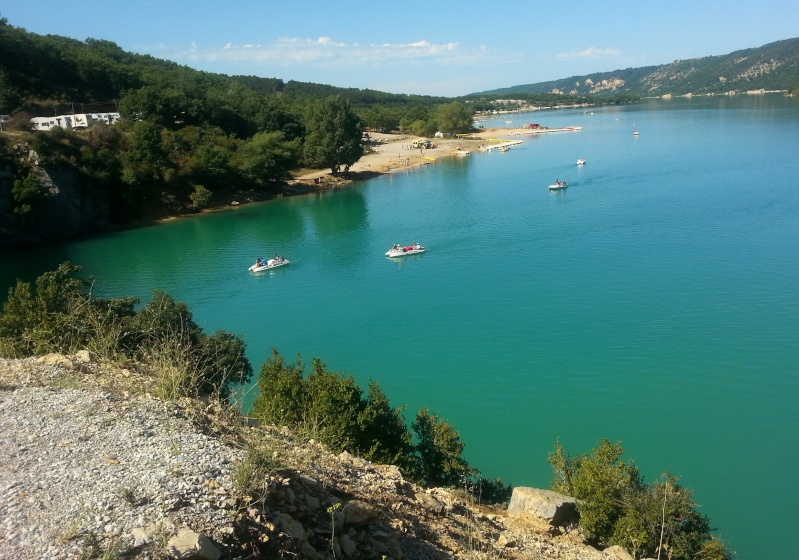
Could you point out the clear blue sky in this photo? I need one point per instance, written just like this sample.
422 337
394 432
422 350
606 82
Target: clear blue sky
432 47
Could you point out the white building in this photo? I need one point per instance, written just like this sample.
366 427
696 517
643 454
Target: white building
70 122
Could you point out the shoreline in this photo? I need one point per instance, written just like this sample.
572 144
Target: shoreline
388 153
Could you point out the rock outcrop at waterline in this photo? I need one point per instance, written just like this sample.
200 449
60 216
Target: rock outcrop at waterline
90 463
68 208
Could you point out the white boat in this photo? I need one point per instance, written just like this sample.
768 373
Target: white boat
263 264
581 161
558 185
398 250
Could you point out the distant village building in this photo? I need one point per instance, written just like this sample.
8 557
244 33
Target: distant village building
71 122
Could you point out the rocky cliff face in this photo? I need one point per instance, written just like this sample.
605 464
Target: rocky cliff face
69 208
92 466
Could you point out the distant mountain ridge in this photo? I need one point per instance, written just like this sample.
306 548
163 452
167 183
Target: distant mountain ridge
772 67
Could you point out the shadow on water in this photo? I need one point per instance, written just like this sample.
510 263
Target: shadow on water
27 264
338 211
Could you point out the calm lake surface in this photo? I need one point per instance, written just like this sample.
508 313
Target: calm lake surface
655 301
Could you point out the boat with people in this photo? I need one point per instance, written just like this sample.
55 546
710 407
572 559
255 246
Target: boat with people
558 185
398 250
268 264
581 161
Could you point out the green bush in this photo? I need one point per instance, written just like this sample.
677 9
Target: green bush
439 449
490 491
165 329
200 196
331 407
61 315
58 315
28 194
616 507
383 436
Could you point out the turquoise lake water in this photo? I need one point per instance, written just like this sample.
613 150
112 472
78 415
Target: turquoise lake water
655 301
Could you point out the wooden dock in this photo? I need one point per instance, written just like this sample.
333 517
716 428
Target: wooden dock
500 144
546 130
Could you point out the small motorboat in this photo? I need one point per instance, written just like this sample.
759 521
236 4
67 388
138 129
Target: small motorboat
581 161
264 264
398 250
558 185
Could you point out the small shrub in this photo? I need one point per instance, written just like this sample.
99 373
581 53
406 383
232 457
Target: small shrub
200 197
262 460
129 495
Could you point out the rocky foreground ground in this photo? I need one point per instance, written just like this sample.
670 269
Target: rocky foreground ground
91 466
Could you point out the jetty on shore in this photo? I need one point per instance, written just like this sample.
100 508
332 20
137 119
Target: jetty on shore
499 144
531 131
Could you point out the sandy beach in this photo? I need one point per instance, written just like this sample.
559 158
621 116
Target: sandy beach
390 153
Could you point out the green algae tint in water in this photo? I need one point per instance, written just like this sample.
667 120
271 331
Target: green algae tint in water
654 301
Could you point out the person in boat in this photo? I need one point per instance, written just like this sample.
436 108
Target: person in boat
259 262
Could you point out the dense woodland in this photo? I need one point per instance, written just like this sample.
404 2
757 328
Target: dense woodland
187 137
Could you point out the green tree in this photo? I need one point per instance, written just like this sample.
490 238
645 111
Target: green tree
9 97
381 118
281 392
599 481
413 116
220 357
439 449
273 118
266 157
454 118
28 194
384 437
332 408
616 507
334 135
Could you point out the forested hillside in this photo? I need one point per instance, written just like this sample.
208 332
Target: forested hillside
186 138
772 67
